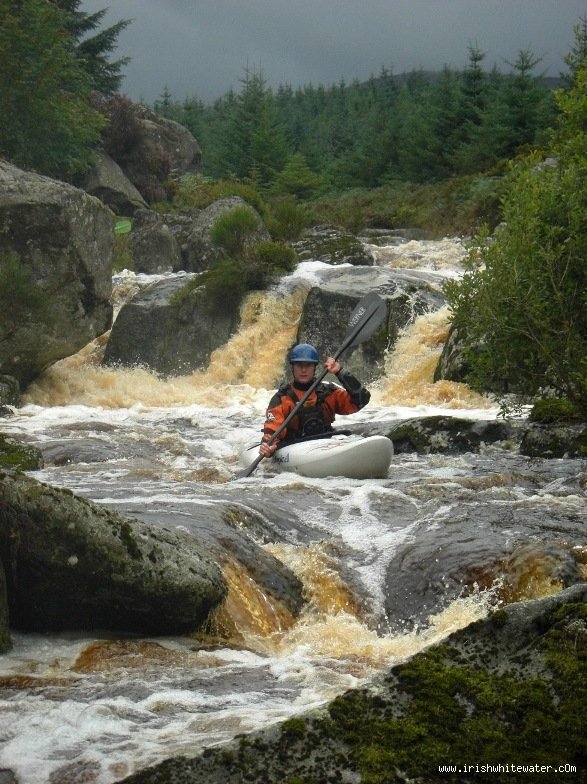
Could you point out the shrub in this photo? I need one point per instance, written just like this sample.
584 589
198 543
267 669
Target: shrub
265 260
523 300
286 219
224 283
195 192
232 230
552 410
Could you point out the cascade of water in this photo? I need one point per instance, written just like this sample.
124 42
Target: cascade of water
76 708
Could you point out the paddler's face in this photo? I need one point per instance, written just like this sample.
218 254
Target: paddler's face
303 371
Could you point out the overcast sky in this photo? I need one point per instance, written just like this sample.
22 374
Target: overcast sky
201 47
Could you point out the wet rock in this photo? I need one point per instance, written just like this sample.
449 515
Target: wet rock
5 641
14 454
508 689
71 564
172 327
9 391
555 440
448 434
327 309
332 246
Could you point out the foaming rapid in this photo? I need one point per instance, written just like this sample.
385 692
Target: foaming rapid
246 364
408 379
79 708
251 362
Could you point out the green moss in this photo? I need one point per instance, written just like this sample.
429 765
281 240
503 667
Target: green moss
554 410
455 713
294 728
128 539
19 456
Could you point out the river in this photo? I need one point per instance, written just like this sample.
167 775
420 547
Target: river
390 566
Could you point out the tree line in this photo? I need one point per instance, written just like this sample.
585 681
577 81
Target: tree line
417 127
522 304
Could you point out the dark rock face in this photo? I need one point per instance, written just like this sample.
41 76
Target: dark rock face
448 434
153 245
170 327
71 564
555 440
333 246
107 182
510 690
56 247
327 309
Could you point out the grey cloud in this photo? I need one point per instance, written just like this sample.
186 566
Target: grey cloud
201 47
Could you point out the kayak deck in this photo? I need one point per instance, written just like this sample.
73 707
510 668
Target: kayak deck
355 457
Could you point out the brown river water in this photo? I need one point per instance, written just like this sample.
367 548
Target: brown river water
390 566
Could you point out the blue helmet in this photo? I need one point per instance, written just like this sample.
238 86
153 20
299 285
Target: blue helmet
303 352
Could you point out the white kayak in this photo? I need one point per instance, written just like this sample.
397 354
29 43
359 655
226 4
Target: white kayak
354 456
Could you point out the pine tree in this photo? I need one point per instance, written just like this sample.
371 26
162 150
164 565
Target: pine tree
46 121
255 146
577 57
93 51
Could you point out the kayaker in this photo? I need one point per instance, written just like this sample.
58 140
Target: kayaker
317 414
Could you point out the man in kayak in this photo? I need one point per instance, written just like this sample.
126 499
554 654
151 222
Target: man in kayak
317 414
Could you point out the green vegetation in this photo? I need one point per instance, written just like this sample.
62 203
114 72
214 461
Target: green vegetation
523 302
413 128
50 67
47 121
233 230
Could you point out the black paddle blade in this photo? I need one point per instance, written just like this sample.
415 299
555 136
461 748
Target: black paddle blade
365 320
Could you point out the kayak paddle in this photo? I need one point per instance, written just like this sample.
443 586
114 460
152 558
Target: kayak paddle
364 321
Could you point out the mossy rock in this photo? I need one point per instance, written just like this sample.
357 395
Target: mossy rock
507 691
555 410
333 246
15 455
555 440
447 434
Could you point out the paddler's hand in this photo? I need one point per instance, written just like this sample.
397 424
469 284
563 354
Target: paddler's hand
267 450
332 365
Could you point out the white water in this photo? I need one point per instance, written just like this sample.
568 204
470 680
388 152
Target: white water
94 709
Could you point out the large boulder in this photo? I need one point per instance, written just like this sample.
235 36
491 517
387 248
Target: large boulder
172 137
109 183
327 309
172 326
152 244
56 246
71 564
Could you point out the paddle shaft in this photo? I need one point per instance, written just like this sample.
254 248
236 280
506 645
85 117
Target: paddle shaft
348 341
